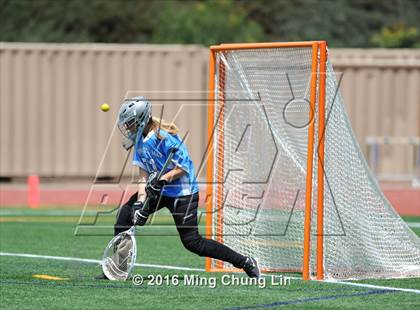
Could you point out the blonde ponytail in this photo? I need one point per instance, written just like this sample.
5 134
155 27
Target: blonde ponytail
157 123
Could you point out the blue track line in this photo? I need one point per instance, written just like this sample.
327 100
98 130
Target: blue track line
312 299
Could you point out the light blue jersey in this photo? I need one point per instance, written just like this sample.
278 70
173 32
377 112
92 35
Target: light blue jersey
150 154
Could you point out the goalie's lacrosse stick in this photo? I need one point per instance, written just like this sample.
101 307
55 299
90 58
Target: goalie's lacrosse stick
120 254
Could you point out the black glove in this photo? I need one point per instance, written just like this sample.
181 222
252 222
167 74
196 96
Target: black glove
140 213
154 187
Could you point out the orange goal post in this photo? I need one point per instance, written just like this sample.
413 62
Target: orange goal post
286 180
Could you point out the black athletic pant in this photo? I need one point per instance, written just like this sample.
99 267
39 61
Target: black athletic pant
184 212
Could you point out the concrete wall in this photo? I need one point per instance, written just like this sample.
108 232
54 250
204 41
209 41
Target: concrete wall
50 122
50 95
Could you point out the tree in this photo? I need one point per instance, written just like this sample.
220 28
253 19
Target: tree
343 23
397 36
205 22
76 20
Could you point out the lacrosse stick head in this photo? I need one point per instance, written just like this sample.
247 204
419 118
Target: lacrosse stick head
120 256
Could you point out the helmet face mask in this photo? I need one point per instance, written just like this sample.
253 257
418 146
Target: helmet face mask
133 117
131 127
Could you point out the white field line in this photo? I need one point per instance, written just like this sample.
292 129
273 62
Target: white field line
389 288
76 213
95 261
409 290
413 224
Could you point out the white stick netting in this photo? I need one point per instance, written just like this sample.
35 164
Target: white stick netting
120 256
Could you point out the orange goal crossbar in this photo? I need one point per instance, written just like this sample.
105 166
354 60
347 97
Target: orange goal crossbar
244 46
318 78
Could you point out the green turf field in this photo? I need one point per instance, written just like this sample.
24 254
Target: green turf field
50 232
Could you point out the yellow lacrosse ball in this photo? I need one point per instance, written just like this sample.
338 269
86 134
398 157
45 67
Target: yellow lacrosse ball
105 107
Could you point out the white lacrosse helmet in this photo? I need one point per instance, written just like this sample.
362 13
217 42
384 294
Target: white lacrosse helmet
133 117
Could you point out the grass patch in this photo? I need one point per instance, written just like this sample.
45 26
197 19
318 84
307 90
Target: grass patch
20 290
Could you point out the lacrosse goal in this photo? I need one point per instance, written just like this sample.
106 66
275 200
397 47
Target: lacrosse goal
286 180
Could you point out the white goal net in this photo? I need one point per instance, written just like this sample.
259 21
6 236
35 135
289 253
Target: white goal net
266 132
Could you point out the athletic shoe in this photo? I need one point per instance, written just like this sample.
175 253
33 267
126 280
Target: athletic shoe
251 267
101 277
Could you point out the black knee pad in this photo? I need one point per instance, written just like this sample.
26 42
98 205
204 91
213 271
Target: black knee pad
125 216
193 242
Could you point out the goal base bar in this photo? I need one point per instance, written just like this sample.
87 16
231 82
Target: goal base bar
264 270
